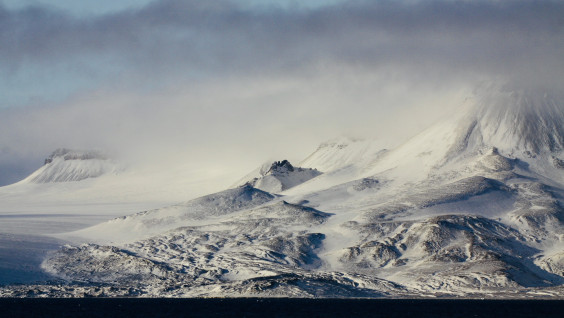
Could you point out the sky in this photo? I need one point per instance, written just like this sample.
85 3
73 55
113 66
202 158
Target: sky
231 84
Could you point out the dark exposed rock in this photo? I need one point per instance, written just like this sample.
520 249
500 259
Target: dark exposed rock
280 166
69 154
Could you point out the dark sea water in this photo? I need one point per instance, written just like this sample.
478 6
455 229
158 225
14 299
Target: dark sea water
253 307
21 257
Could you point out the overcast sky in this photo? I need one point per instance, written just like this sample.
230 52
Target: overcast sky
234 83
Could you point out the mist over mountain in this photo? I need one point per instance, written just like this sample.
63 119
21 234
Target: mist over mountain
525 120
168 81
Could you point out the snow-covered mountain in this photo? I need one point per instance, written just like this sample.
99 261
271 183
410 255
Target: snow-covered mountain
471 206
278 176
518 121
66 165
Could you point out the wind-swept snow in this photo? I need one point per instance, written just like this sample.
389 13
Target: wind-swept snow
149 223
342 152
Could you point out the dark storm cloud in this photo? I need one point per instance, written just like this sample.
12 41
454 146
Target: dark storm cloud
218 36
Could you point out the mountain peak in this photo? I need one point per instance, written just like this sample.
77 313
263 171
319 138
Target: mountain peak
278 176
521 120
283 166
65 165
514 121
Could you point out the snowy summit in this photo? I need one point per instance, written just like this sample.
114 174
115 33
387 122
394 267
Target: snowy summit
278 176
66 165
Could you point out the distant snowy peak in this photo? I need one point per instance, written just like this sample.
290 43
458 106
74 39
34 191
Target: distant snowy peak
66 165
341 152
514 122
278 176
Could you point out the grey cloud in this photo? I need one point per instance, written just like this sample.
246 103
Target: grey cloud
218 36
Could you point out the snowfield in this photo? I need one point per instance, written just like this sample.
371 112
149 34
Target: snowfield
472 206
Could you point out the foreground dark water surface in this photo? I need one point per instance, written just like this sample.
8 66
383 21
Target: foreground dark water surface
253 307
21 257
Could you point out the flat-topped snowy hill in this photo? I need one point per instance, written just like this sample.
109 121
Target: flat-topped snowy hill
66 165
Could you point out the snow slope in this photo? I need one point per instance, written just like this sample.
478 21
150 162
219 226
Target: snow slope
342 152
149 223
